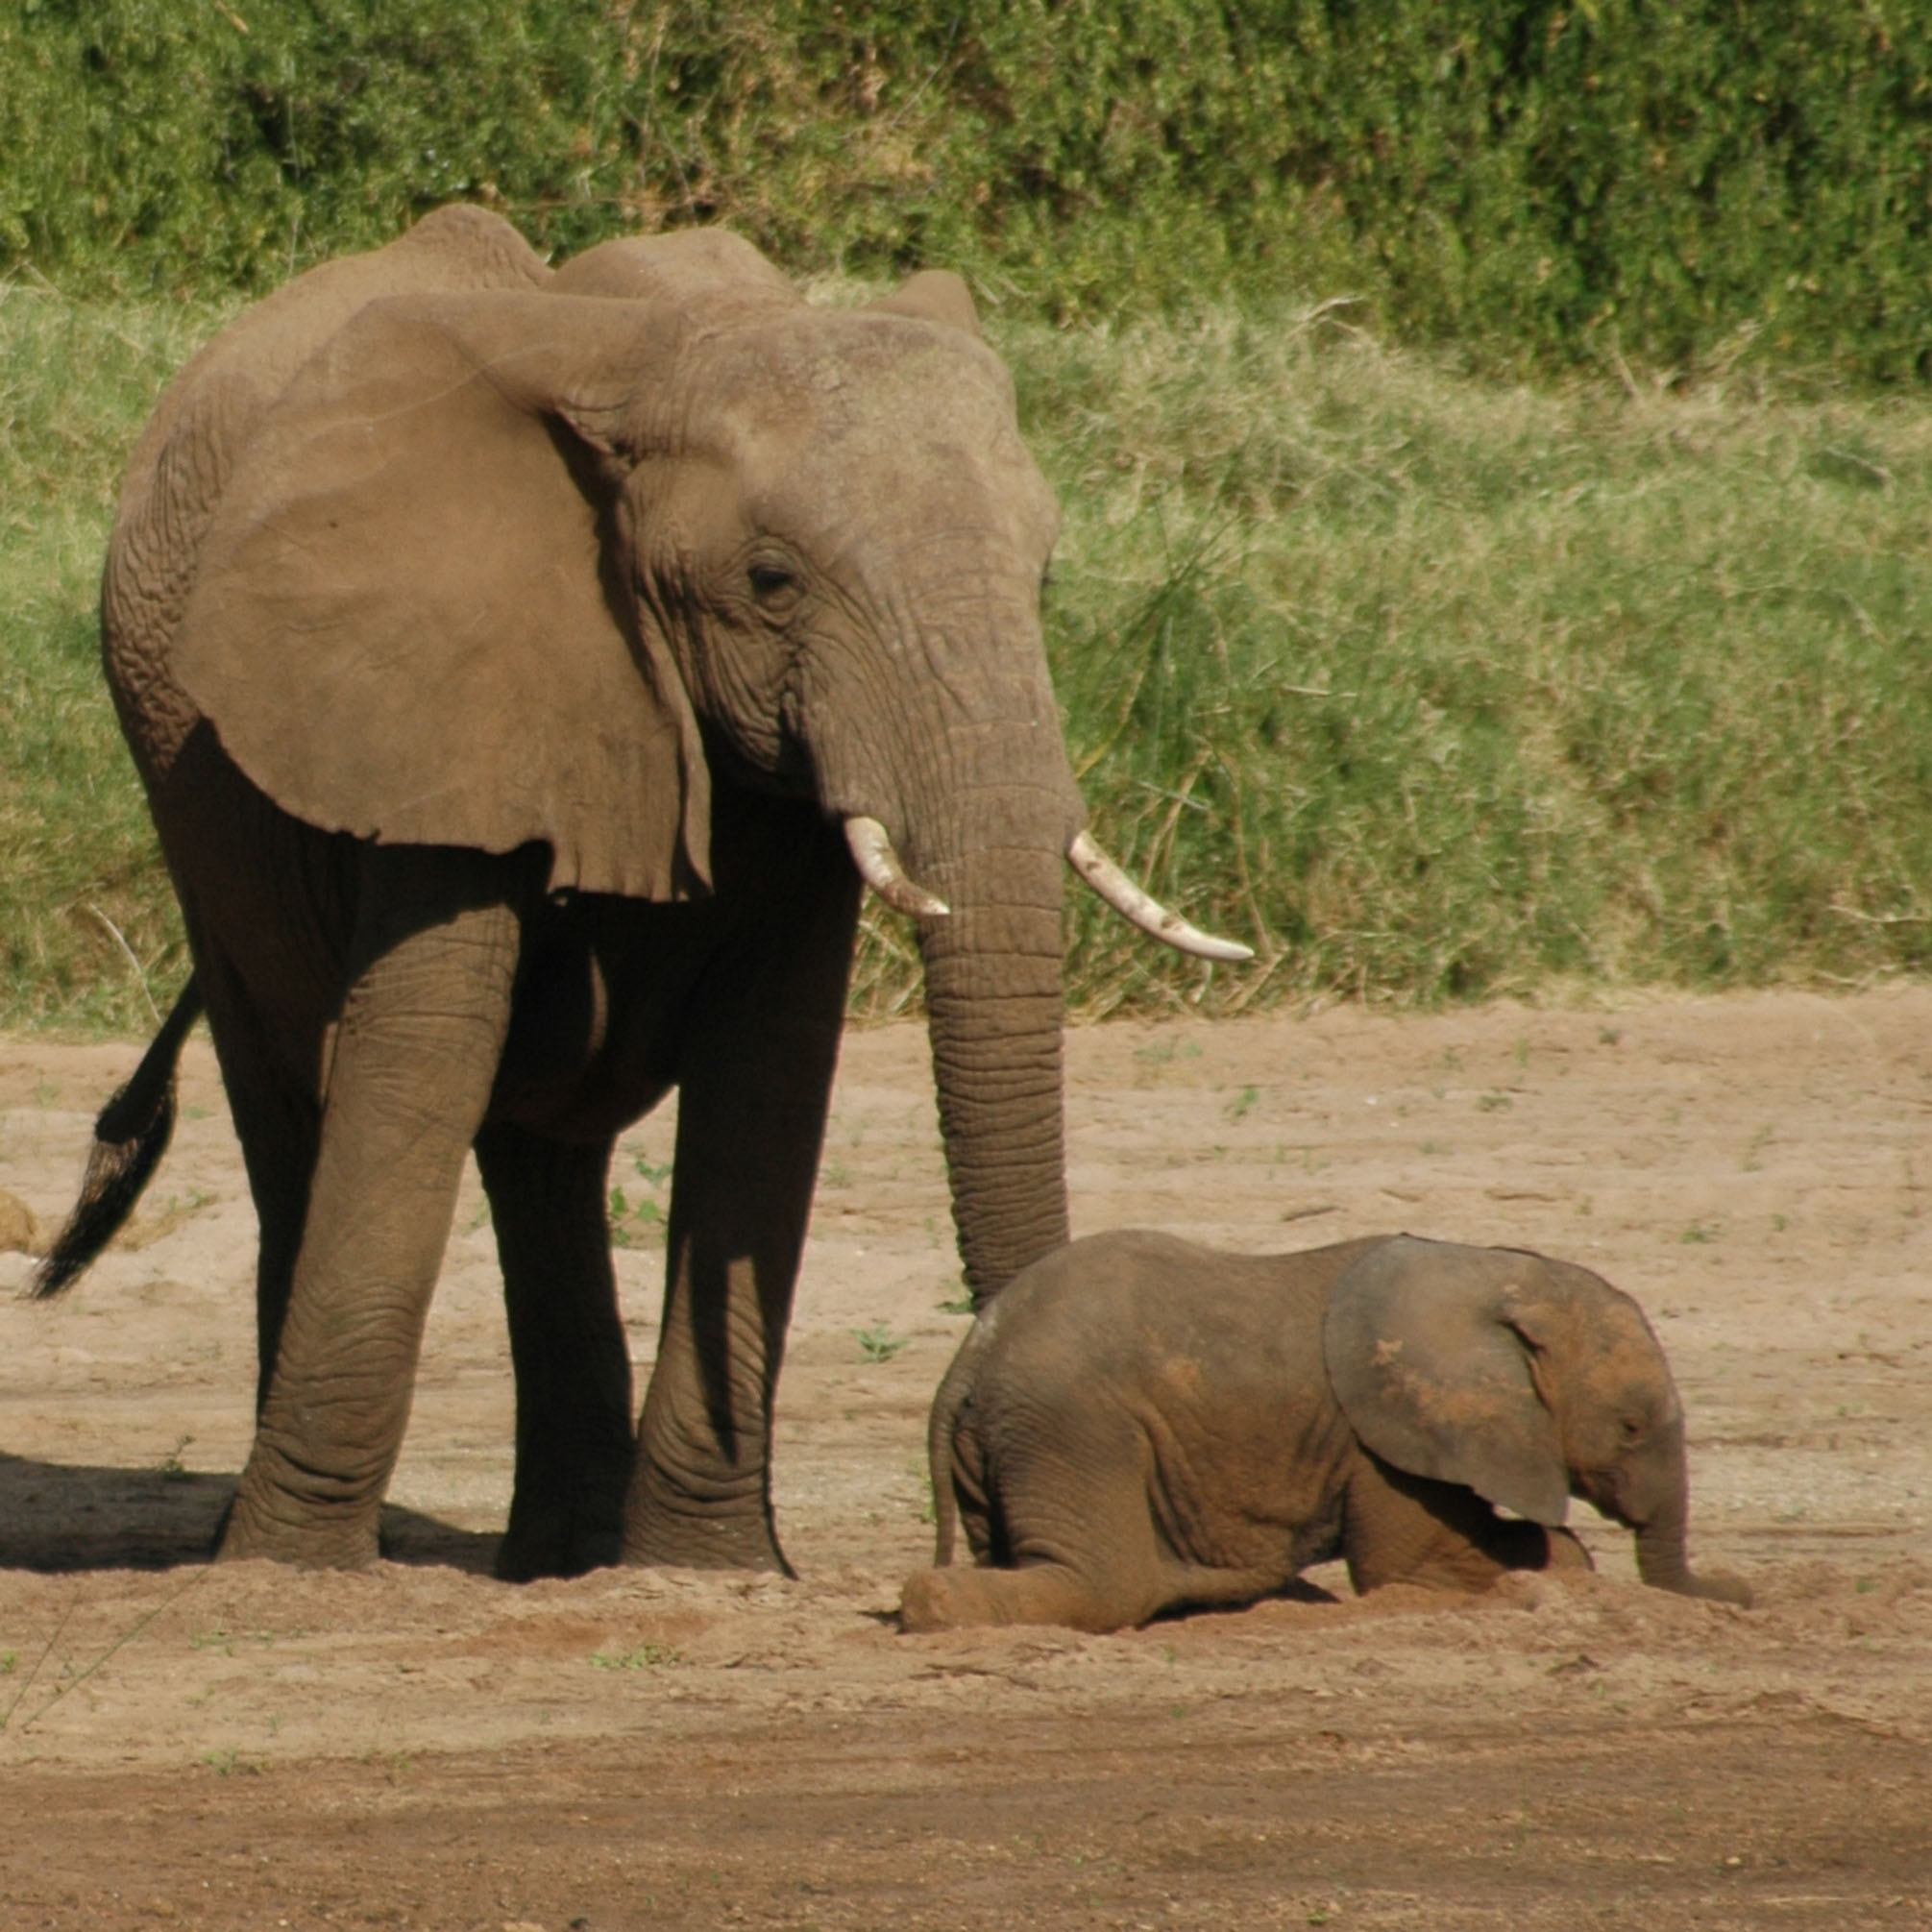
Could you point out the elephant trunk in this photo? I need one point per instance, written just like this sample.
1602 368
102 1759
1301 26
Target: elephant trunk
960 807
993 999
1661 1561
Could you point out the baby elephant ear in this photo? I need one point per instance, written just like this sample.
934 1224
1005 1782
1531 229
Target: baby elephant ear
1434 1377
932 295
414 620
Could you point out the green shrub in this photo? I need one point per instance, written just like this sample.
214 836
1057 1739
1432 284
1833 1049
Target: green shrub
1433 688
1676 185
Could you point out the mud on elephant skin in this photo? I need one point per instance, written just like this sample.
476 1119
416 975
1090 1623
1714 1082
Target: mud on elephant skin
1140 1424
526 668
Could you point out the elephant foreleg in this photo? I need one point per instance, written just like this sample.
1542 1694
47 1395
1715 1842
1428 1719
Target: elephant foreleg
760 1042
575 1441
419 1036
1402 1529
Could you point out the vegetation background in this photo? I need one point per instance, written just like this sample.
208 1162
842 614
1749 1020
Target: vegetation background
1494 437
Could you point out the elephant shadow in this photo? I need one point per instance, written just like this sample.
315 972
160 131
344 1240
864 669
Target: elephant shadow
57 1518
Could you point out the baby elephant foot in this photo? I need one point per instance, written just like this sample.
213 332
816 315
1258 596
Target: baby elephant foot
1042 1593
1564 1551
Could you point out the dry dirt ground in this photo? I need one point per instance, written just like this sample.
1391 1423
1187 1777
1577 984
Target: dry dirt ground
424 1746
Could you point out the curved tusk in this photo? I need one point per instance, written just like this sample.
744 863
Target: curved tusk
1145 910
879 867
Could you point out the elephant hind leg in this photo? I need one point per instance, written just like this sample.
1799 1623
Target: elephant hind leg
279 1128
575 1442
1036 1593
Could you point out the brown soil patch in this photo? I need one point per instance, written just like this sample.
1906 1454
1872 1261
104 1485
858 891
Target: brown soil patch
423 1747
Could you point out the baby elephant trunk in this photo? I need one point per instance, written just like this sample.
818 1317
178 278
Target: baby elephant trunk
1661 1561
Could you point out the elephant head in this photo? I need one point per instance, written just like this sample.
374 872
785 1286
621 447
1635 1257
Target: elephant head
1527 1380
544 564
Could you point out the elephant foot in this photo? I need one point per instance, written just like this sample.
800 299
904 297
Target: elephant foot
566 1518
251 1530
1564 1551
1045 1593
555 1548
663 1540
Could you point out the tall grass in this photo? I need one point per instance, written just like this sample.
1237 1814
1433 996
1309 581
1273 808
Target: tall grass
1432 689
1429 689
84 887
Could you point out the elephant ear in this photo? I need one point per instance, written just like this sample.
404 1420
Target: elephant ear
932 295
1435 1375
413 620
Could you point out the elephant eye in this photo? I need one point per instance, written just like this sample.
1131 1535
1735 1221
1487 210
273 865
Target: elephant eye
1633 1429
772 583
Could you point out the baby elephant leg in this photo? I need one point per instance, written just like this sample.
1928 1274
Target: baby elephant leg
1402 1528
1038 1593
1564 1551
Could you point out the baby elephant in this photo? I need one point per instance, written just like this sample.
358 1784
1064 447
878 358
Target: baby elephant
1139 1425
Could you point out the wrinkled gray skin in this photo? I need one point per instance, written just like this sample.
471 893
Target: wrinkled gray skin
501 649
1139 1425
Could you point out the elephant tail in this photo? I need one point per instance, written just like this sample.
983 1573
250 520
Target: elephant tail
131 1134
950 1459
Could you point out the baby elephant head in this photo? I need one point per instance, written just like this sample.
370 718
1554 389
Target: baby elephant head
1527 1380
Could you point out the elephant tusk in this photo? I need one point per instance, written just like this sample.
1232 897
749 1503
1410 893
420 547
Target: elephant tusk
1144 910
880 867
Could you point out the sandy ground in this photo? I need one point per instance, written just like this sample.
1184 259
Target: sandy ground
424 1746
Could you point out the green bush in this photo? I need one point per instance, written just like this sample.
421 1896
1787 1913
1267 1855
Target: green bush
1430 687
1674 185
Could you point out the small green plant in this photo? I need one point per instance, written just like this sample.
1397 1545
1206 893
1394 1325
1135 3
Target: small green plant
878 1342
1697 1233
1243 1103
171 1468
224 1640
955 1305
8 1662
645 1657
1493 1103
232 1763
636 1225
1164 1052
922 1476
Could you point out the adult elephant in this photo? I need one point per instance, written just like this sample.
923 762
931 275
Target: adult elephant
525 668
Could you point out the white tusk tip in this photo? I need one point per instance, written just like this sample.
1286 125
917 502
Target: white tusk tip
871 849
1143 910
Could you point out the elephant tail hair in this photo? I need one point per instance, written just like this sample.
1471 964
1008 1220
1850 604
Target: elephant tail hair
131 1134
